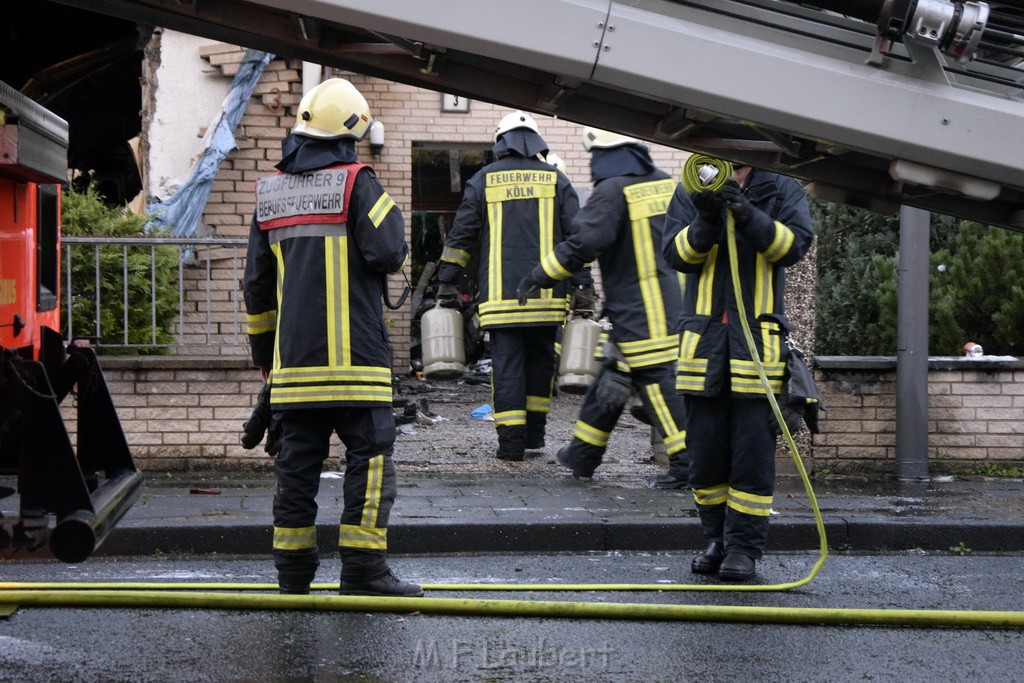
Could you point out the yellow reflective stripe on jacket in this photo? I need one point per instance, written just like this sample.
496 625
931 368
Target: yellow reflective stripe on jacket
457 256
494 219
782 243
764 289
771 342
746 380
706 283
553 269
685 250
536 311
645 201
339 326
362 394
510 418
675 439
352 373
365 538
261 323
645 352
546 221
592 435
380 210
647 278
276 250
750 503
300 538
713 495
675 443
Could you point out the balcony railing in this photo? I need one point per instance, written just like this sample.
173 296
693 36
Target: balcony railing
210 311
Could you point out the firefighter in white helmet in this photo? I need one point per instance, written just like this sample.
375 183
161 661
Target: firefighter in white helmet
621 227
516 208
324 236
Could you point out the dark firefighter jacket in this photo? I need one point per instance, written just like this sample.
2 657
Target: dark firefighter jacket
321 244
621 225
519 208
713 351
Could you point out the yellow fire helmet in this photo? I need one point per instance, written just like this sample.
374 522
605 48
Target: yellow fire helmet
595 138
332 110
516 119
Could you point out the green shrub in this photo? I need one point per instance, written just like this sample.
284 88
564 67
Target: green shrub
85 215
977 294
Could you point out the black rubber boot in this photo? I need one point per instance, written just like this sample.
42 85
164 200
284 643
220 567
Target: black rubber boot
667 481
736 567
710 560
388 585
566 461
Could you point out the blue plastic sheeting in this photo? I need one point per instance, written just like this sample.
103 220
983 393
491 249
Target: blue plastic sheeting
181 212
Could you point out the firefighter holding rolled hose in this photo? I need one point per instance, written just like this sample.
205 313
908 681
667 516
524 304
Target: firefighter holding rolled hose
730 433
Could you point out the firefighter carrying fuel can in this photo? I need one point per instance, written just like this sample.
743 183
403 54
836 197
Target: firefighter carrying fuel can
621 226
516 209
323 238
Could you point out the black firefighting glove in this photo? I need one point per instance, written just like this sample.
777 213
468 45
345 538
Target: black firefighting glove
742 210
447 295
614 388
705 233
584 301
527 288
256 426
792 413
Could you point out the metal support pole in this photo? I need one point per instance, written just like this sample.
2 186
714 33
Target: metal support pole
912 346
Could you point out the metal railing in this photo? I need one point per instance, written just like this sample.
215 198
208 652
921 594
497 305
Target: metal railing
199 327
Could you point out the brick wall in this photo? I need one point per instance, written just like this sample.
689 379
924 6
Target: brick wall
187 413
975 415
182 413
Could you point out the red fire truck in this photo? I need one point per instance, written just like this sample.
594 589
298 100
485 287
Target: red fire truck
70 492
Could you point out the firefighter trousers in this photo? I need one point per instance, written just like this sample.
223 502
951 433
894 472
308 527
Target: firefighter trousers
522 382
656 386
732 469
369 488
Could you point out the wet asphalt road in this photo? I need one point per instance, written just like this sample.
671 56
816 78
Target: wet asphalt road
141 644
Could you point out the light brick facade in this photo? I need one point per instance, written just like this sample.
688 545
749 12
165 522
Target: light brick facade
186 412
410 116
975 416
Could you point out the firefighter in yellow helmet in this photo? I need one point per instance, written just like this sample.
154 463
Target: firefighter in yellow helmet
516 208
323 238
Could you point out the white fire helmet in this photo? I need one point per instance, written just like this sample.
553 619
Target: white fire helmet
556 161
595 138
517 119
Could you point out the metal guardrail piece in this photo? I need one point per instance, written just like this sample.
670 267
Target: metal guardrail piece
203 267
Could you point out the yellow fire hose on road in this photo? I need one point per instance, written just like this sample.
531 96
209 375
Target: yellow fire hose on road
187 595
515 608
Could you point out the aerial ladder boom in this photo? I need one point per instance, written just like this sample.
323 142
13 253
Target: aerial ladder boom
914 102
